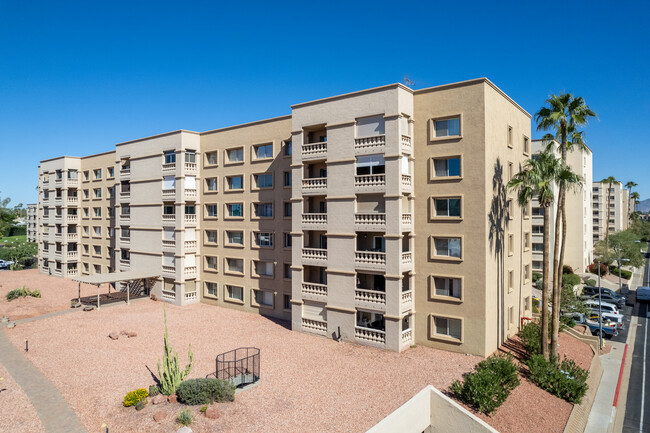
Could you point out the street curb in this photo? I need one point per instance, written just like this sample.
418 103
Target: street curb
620 377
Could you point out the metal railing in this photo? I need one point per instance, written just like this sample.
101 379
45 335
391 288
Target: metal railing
240 366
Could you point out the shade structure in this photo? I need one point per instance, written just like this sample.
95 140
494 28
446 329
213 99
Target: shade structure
112 277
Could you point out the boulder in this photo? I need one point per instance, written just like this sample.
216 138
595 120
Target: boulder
157 399
172 398
159 416
113 335
184 430
131 334
212 413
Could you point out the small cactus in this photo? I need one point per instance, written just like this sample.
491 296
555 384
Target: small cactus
154 390
141 404
169 373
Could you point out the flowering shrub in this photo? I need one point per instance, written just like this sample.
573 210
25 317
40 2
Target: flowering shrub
132 398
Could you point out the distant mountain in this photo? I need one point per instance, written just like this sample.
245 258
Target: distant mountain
644 206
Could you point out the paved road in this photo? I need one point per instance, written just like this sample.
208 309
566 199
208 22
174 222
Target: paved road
637 411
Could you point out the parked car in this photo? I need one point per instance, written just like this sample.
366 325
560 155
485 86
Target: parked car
609 327
617 322
609 311
606 297
5 264
643 294
590 291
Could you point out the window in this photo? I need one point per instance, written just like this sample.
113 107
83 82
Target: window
264 298
126 232
537 229
211 236
235 265
235 182
537 247
448 247
235 155
511 317
263 210
447 207
526 241
235 293
511 244
74 174
447 127
287 178
370 164
97 192
287 271
537 264
85 249
170 157
86 194
526 145
97 231
287 209
211 289
509 136
86 175
263 151
511 280
263 269
526 273
287 240
212 158
288 151
371 126
263 180
448 327
445 286
235 237
190 156
538 211
510 170
211 210
263 239
97 250
447 167
97 173
211 183
235 209
169 209
111 171
86 212
287 302
97 211
190 209
211 262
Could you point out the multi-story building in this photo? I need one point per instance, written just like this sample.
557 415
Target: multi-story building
578 205
32 222
313 217
614 218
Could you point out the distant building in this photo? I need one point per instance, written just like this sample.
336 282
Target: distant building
32 222
617 216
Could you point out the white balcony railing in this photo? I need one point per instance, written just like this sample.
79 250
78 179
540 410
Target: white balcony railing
407 299
406 181
169 166
314 254
168 244
125 240
168 294
407 337
72 272
125 262
370 219
190 166
372 144
190 296
72 218
190 193
316 326
315 289
370 181
407 258
169 270
190 271
314 150
407 219
125 217
370 258
406 144
190 219
190 246
125 195
73 200
371 335
370 296
314 184
125 172
72 255
169 219
169 193
314 218
71 182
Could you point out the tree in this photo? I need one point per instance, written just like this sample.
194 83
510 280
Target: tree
608 181
628 241
17 250
563 115
7 216
634 196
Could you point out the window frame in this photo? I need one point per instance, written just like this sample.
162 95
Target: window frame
206 290
207 185
432 168
254 152
434 335
255 274
432 127
227 242
226 187
434 296
227 270
255 181
255 303
228 161
433 251
433 211
228 298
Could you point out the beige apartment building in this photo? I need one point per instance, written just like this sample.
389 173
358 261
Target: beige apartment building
579 245
32 222
614 219
346 217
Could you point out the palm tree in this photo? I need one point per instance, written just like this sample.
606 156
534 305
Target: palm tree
536 180
564 114
635 196
609 181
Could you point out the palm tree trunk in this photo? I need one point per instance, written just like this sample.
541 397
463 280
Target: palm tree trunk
545 280
557 273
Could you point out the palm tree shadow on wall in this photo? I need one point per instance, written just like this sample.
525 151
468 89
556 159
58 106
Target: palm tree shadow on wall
498 218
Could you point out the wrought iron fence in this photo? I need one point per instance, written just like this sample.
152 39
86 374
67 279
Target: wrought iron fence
240 366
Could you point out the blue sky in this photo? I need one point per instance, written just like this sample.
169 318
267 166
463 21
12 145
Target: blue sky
78 77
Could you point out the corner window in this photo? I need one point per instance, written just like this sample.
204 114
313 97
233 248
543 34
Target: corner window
447 127
190 156
170 157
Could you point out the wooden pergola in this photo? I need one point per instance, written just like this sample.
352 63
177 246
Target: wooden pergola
112 277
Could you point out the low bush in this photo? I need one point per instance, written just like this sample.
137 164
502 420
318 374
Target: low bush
593 268
204 409
624 274
22 292
570 279
536 303
536 277
531 335
141 404
185 417
566 380
566 269
590 282
132 398
154 390
567 321
489 385
205 391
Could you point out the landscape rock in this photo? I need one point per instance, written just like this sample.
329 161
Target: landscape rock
11 325
157 399
131 334
212 413
89 308
184 430
113 335
172 398
159 416
123 332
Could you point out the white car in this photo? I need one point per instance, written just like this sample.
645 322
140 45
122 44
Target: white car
609 311
5 264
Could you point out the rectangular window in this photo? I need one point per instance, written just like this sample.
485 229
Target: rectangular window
448 327
235 237
111 172
235 182
169 182
511 280
86 175
447 207
447 128
526 272
448 247
263 180
211 262
263 269
212 158
263 210
97 231
235 209
537 229
511 244
235 293
263 151
126 232
288 151
97 173
287 302
97 250
287 209
447 167
86 194
97 211
211 183
169 209
190 209
537 264
190 156
235 155
287 178
287 271
235 265
211 289
263 239
170 157
447 287
371 126
509 138
511 317
211 236
371 164
211 210
264 298
287 240
526 145
74 174
526 240
537 247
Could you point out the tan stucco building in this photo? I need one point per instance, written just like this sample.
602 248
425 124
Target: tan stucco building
617 217
379 216
32 222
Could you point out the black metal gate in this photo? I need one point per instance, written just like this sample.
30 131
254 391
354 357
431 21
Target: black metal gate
240 366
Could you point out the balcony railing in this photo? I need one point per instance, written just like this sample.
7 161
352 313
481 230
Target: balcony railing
314 254
370 220
171 166
407 300
370 144
314 218
125 195
125 262
72 218
125 240
125 217
169 270
125 172
406 143
314 289
72 255
168 294
190 296
73 200
72 272
371 335
168 219
190 271
72 182
168 244
407 337
407 219
190 246
370 181
369 258
370 296
314 150
407 258
190 166
190 219
169 193
314 185
406 181
316 326
190 193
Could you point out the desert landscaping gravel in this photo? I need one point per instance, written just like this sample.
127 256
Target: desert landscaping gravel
17 415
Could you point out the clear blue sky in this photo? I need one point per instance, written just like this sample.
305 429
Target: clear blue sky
76 77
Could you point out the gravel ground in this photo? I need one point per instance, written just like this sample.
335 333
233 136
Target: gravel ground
17 414
309 383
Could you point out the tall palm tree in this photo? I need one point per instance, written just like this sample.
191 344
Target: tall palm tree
536 180
635 196
563 115
609 181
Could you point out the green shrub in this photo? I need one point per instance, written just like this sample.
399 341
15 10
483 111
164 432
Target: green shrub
590 282
22 292
141 404
566 269
567 321
624 274
154 390
204 409
567 380
570 279
531 335
185 417
205 391
536 277
489 385
132 398
536 303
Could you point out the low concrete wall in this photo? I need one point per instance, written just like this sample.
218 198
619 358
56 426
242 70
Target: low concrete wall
591 340
431 411
580 413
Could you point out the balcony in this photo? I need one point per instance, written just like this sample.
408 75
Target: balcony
407 147
171 166
370 260
125 263
73 200
125 173
58 217
190 271
168 245
370 182
168 194
407 300
407 337
314 185
407 258
72 273
125 195
58 253
314 326
370 298
72 218
58 235
407 220
190 296
73 255
190 220
169 220
314 256
314 220
368 145
370 221
190 167
58 200
314 151
314 291
190 246
370 335
407 182
125 218
190 194
170 271
125 240
71 182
